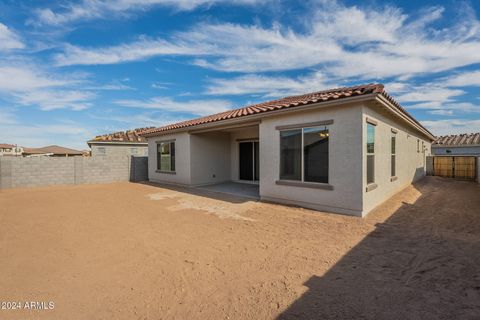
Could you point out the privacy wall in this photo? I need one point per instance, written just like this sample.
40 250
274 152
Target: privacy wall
16 172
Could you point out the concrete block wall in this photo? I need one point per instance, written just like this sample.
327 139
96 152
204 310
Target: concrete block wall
17 172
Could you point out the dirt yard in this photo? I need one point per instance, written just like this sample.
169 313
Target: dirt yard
137 251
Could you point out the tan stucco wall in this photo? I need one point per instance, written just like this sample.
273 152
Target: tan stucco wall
410 164
182 160
345 162
119 150
210 155
247 133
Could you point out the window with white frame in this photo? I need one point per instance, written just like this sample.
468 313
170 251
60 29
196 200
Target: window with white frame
166 156
304 154
370 153
393 169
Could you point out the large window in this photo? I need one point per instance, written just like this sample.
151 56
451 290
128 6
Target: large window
166 156
370 153
304 154
393 152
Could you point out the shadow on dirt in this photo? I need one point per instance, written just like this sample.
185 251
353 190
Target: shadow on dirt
423 262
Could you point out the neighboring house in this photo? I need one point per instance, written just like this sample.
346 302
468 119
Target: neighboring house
467 144
10 150
343 150
120 143
51 151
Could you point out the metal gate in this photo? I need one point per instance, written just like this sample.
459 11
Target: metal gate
459 167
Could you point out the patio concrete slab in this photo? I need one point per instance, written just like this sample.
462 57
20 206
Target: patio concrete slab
246 190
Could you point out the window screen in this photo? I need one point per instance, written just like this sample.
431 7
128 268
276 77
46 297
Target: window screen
304 154
166 156
291 154
370 153
315 154
393 164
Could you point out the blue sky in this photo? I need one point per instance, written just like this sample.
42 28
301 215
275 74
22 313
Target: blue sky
70 70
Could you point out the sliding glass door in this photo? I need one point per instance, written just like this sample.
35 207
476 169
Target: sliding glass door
249 161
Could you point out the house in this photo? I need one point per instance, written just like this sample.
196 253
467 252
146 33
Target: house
120 143
10 150
343 150
51 151
466 144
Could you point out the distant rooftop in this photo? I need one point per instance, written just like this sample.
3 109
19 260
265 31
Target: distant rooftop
122 136
52 149
455 140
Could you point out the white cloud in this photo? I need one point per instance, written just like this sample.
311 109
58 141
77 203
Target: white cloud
269 86
349 42
428 93
94 9
434 98
138 50
441 112
9 40
30 85
197 107
137 120
56 99
469 78
25 78
452 126
7 116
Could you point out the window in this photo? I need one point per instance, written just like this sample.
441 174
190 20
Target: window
304 154
166 156
418 146
370 153
393 151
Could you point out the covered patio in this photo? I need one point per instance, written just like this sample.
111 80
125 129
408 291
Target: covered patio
245 190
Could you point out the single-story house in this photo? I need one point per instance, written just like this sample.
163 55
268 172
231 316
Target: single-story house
7 149
120 143
51 151
343 150
466 144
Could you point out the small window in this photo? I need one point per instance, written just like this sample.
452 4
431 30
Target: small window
393 153
370 153
304 154
418 146
101 150
166 156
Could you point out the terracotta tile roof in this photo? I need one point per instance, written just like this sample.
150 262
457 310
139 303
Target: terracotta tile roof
122 136
287 103
6 146
464 139
52 149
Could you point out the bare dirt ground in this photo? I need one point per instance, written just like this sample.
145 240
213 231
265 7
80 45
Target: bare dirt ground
137 251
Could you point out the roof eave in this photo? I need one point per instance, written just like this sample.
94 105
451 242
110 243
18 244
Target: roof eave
382 99
115 142
454 146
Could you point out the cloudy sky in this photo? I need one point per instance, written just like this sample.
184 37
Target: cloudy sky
70 70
